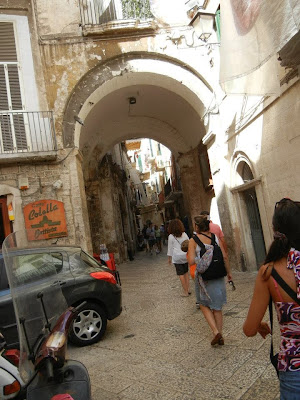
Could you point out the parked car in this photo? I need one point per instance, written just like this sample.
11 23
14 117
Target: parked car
81 278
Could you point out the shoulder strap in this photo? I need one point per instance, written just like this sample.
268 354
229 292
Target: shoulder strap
199 243
175 238
271 323
212 238
285 286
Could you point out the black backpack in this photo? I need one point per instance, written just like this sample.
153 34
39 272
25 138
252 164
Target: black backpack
216 268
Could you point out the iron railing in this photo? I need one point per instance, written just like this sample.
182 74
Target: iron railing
98 12
27 131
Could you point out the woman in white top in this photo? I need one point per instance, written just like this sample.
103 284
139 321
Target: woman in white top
176 256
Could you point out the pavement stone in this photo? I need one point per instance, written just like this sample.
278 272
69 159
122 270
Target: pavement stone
159 347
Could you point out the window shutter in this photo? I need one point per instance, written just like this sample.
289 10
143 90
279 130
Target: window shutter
6 133
8 50
14 84
12 125
3 90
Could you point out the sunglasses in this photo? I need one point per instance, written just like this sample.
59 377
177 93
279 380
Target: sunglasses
286 200
232 285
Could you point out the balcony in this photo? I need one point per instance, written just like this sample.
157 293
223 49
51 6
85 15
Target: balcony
27 135
171 192
115 16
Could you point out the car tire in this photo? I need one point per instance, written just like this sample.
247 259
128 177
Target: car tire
89 326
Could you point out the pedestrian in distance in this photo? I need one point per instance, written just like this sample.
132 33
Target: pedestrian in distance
211 293
282 262
151 237
163 233
158 239
176 256
146 237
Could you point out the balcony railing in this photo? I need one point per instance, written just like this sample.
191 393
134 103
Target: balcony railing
26 131
98 12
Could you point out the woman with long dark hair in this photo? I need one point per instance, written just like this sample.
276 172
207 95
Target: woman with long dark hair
212 297
176 256
284 257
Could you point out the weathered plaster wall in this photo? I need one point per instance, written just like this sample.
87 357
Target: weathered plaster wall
266 134
108 215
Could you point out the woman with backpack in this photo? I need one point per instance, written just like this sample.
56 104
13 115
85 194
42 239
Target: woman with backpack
279 278
211 292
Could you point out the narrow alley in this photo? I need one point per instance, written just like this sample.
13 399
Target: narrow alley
159 348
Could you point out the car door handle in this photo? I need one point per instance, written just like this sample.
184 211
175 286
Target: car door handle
61 283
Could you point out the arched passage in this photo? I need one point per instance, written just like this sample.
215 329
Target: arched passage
136 96
165 89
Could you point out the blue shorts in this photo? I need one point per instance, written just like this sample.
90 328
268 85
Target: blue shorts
289 385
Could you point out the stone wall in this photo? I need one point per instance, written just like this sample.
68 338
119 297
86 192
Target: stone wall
41 178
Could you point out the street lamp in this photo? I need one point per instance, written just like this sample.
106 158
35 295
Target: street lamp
203 24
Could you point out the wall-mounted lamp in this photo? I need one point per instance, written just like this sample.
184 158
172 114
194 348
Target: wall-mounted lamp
132 100
203 24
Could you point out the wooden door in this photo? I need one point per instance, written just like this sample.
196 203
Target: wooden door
5 224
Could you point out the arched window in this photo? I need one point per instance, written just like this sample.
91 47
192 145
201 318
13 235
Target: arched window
244 171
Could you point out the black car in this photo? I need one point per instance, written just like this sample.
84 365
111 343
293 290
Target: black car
81 278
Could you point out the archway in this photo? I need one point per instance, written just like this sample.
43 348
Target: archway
138 96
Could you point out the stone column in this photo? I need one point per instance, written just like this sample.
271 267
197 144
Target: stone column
196 198
79 204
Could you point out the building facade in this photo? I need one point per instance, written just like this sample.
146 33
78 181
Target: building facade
68 70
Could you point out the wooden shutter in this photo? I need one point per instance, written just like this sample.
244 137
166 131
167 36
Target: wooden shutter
3 89
8 50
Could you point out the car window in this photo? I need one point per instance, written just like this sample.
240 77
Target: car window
83 260
32 267
89 260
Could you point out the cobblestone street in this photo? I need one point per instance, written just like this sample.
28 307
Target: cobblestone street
159 348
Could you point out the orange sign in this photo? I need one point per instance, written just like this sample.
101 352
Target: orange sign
45 219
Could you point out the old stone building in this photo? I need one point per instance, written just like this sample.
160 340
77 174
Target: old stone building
83 60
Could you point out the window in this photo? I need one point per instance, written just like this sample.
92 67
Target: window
12 125
32 267
81 260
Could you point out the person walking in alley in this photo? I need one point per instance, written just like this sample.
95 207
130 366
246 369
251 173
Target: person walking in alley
282 263
211 293
215 228
158 239
176 256
150 232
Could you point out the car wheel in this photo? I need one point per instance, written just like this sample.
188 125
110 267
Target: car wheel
89 326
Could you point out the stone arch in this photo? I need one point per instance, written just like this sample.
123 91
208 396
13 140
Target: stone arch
240 161
131 69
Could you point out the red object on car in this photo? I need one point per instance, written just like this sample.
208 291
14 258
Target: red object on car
105 276
13 356
65 396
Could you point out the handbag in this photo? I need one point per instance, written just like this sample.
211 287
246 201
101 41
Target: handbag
293 295
216 268
179 256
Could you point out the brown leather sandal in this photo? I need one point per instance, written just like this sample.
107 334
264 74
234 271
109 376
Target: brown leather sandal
216 339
